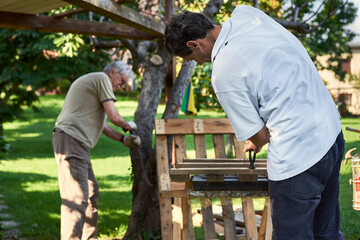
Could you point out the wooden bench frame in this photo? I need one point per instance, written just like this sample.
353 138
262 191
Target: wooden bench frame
179 226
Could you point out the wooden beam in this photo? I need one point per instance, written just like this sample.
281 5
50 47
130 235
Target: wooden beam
54 24
122 14
193 126
70 13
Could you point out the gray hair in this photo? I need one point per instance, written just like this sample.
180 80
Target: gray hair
119 67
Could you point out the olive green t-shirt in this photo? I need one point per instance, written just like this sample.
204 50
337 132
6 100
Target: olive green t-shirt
83 114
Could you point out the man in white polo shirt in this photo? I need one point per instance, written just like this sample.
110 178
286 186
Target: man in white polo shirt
272 93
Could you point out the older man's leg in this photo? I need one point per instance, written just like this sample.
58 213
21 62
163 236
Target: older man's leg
91 219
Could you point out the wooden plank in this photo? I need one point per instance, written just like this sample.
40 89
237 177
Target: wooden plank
241 160
55 24
166 218
249 218
218 165
174 193
187 126
162 164
206 204
239 153
239 147
208 218
200 146
263 223
219 145
180 154
177 218
269 226
188 229
180 149
180 178
236 171
214 193
70 13
228 218
122 14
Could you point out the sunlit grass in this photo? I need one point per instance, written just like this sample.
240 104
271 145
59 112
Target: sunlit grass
28 178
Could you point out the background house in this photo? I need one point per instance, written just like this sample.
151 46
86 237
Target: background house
346 92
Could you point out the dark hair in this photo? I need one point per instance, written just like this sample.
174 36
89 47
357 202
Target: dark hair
183 27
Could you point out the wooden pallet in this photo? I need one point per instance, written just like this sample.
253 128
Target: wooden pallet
206 178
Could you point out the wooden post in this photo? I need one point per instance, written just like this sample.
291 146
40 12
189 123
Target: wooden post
269 226
229 219
164 184
208 219
249 219
177 218
206 204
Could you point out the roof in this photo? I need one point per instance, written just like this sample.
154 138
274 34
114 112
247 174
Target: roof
127 23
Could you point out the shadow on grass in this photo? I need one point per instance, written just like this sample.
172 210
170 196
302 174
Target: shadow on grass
38 212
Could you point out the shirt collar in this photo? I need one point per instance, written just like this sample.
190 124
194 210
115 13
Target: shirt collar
221 40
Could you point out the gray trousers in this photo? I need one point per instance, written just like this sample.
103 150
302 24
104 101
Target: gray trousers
79 189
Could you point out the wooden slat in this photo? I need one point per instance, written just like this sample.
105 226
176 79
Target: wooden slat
188 229
122 14
162 163
269 226
225 160
200 146
180 154
55 24
228 218
214 193
249 218
219 145
193 126
180 149
208 218
217 165
236 171
206 203
239 147
70 13
177 218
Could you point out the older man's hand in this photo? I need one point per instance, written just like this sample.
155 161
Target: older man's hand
132 141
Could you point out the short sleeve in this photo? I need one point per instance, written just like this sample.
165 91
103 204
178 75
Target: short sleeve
242 113
105 91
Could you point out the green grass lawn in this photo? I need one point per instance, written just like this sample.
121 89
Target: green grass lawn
28 178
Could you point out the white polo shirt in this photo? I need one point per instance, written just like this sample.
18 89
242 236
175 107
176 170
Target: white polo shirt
263 75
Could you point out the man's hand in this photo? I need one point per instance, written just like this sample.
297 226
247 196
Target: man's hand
250 146
132 141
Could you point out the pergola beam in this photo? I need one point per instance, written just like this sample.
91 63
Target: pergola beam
122 14
55 24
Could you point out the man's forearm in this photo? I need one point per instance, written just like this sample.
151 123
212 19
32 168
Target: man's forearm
261 138
112 133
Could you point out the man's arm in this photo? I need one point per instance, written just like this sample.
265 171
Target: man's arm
257 141
112 133
114 117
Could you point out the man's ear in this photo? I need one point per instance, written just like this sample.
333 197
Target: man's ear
192 44
111 72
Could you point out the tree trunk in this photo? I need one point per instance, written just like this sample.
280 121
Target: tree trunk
145 213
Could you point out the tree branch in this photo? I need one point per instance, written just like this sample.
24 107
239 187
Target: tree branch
300 27
330 14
